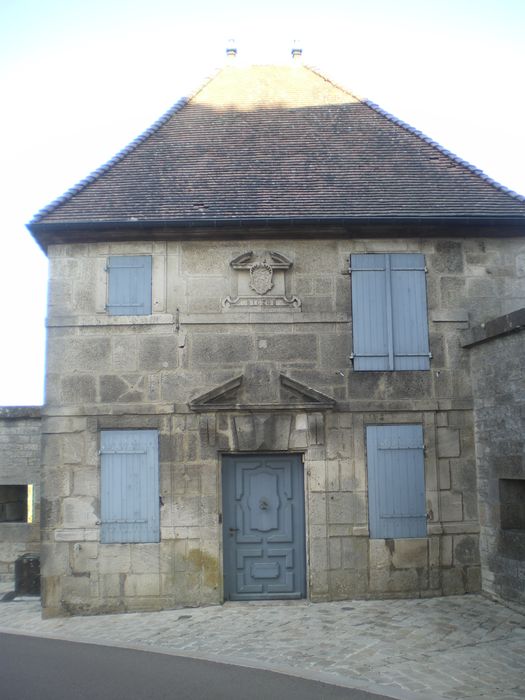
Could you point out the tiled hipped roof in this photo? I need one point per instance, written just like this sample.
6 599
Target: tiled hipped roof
268 142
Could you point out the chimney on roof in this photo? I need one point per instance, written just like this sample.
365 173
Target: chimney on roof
297 52
231 51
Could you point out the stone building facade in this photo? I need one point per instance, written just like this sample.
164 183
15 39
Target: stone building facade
19 487
255 384
497 349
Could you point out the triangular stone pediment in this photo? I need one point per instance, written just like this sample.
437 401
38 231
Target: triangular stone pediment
260 389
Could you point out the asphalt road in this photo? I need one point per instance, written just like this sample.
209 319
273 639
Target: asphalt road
33 668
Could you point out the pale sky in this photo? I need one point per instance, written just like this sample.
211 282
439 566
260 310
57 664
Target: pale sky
80 79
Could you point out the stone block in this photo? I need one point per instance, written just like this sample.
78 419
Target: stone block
448 257
126 389
57 482
78 389
390 581
346 508
334 552
410 553
220 349
452 581
124 353
452 290
466 550
73 448
332 475
473 579
78 512
111 585
76 590
339 443
142 585
158 353
451 506
448 442
84 557
444 474
318 554
344 584
285 347
114 558
316 475
437 348
434 550
187 511
379 555
335 351
354 553
79 355
145 558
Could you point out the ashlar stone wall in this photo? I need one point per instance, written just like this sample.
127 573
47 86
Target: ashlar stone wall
107 372
19 466
497 349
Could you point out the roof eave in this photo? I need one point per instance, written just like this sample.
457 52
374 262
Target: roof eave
86 231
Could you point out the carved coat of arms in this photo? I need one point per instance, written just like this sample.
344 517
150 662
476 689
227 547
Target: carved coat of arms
266 277
261 277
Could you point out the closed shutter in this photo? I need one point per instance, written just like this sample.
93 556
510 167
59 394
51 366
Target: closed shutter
129 285
396 481
129 491
389 312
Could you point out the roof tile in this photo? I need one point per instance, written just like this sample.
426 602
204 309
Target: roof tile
279 142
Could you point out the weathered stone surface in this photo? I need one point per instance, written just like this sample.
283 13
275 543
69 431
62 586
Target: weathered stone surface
448 442
113 370
451 506
221 349
158 353
497 354
410 554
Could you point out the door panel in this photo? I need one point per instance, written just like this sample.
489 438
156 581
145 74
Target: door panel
264 529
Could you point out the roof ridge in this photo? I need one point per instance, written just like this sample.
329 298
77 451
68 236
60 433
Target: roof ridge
318 71
102 169
449 154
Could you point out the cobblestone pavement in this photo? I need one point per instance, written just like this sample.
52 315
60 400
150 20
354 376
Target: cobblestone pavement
461 647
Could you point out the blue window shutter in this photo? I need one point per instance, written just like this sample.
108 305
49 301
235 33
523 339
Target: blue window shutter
396 481
129 285
129 486
409 311
389 312
371 313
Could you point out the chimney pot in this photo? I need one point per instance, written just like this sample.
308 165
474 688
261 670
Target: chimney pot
231 52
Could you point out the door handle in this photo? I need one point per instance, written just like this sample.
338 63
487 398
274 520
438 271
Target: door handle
231 530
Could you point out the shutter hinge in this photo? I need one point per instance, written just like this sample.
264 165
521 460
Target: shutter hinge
425 268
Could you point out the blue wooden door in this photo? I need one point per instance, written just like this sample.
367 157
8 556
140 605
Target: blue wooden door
264 529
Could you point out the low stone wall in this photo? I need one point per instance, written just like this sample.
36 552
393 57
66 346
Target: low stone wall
498 376
19 467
